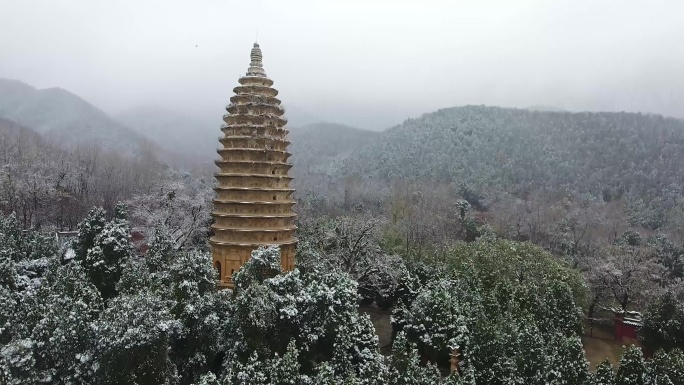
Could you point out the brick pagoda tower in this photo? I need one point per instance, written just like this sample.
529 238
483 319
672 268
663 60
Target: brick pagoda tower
253 204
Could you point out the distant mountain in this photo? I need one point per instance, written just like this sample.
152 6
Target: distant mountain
195 139
62 117
542 108
487 151
318 148
15 138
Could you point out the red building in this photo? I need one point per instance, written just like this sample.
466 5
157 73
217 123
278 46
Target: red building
626 325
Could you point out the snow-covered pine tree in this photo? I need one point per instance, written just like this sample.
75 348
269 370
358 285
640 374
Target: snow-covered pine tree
437 320
405 367
285 370
663 326
561 313
533 358
569 365
195 301
88 229
63 338
605 374
111 248
632 369
263 263
667 364
134 341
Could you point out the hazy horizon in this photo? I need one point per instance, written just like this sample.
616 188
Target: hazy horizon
369 65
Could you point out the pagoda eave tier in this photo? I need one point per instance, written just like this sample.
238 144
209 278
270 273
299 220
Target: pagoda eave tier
255 194
253 221
250 109
255 131
253 154
241 229
232 206
248 163
215 241
223 215
252 138
254 180
254 80
250 188
250 98
255 90
245 202
252 150
255 235
273 168
251 175
263 120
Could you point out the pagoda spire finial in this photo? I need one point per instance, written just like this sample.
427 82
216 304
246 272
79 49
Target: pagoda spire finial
256 67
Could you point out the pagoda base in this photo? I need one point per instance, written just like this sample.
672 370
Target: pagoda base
229 257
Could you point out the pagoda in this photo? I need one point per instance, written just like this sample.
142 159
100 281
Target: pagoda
253 204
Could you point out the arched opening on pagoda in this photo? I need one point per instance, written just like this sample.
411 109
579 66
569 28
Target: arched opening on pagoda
217 266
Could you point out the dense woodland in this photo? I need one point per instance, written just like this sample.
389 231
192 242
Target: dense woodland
492 235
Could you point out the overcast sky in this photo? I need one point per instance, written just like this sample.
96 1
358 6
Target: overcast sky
365 63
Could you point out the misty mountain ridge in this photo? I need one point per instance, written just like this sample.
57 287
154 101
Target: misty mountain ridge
193 138
65 118
544 108
489 151
486 151
316 147
12 134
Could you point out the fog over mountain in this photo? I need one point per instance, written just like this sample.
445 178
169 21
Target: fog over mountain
66 119
365 64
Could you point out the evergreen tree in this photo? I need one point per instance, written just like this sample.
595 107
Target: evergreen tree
632 369
438 319
207 379
88 229
11 238
263 263
63 337
405 367
255 371
201 309
134 341
17 363
532 359
570 366
560 311
10 297
285 370
605 374
105 260
663 325
667 366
